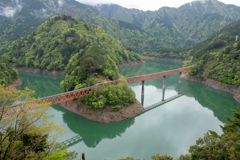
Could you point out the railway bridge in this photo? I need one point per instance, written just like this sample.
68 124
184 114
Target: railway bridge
66 96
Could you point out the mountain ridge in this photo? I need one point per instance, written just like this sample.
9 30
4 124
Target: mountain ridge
165 28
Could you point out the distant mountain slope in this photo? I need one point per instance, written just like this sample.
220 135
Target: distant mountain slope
187 25
17 18
218 57
129 34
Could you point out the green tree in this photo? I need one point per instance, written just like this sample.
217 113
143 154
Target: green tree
162 157
113 95
22 136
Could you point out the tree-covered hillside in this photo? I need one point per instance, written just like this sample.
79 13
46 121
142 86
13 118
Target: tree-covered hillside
218 57
187 25
172 53
7 72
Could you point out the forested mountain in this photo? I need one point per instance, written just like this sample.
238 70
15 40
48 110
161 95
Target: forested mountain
67 43
187 25
218 57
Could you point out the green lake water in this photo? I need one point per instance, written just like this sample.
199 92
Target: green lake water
168 129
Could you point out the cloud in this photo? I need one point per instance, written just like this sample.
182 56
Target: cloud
10 11
60 2
56 4
42 13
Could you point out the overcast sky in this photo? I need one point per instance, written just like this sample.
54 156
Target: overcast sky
149 4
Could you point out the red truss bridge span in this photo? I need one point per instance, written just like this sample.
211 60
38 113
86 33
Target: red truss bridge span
66 96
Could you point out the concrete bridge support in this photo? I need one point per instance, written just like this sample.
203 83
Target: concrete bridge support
142 95
179 88
163 94
180 73
164 81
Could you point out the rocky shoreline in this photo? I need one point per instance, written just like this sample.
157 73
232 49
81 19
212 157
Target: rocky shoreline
41 71
104 115
15 84
130 64
216 85
168 59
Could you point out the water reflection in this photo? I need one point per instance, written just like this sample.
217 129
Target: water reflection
43 85
92 132
148 108
221 103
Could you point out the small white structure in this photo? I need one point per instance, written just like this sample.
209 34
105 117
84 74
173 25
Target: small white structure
236 37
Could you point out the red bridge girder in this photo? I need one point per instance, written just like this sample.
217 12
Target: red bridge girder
66 96
156 75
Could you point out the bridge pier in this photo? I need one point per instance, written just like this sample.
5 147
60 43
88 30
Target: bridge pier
142 95
163 94
164 80
179 88
83 156
180 73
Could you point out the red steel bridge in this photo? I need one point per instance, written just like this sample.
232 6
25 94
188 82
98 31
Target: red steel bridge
66 96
